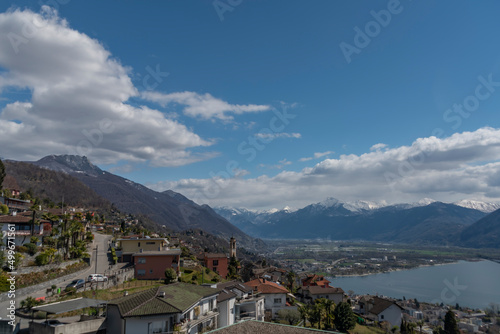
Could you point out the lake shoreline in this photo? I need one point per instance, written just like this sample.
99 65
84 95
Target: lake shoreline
406 269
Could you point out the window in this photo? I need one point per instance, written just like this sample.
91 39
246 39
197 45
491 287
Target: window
141 260
216 262
138 244
382 316
150 271
150 242
327 297
277 300
210 305
141 272
214 269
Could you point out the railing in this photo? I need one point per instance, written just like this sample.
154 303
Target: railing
186 326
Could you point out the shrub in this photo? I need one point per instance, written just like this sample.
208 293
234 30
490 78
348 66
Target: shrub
170 276
42 259
22 249
31 248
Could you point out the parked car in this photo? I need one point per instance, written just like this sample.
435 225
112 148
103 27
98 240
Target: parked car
76 283
97 278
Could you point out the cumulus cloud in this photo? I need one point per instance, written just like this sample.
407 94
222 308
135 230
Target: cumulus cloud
317 155
463 165
378 147
203 106
78 99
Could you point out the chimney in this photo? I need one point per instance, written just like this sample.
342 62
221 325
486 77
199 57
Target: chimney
125 293
14 213
161 294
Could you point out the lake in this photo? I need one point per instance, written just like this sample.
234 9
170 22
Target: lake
473 284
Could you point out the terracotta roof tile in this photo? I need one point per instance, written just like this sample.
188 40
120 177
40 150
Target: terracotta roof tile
264 286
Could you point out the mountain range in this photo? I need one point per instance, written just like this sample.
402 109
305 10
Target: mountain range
466 223
168 208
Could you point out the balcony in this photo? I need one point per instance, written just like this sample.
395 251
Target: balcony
187 324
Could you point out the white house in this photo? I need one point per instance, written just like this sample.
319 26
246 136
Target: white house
19 225
274 294
187 308
226 305
381 309
247 305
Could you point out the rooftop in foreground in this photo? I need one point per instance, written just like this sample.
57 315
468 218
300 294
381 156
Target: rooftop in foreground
253 326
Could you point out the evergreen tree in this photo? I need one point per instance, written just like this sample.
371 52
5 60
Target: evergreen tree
233 268
450 323
344 318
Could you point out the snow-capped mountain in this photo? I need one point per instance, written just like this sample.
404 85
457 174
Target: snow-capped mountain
426 221
478 205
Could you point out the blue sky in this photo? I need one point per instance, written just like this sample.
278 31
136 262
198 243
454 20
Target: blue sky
186 86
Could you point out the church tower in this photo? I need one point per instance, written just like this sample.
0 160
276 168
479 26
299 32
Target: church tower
232 246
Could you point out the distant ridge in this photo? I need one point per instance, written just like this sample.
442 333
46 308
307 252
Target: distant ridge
425 222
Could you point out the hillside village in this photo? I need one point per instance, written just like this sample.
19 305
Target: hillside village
177 282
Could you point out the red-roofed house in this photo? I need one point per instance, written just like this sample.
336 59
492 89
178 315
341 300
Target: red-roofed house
275 294
316 280
217 263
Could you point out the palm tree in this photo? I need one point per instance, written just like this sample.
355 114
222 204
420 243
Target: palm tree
304 312
290 276
329 307
316 314
50 217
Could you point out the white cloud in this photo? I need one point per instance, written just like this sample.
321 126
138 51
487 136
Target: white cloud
317 155
203 106
78 103
464 165
378 147
275 135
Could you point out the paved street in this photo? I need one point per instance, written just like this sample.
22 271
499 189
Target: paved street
101 241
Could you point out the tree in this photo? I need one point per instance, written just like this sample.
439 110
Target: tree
344 318
2 173
315 315
4 209
290 277
450 323
304 312
292 316
170 276
232 268
417 304
329 308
